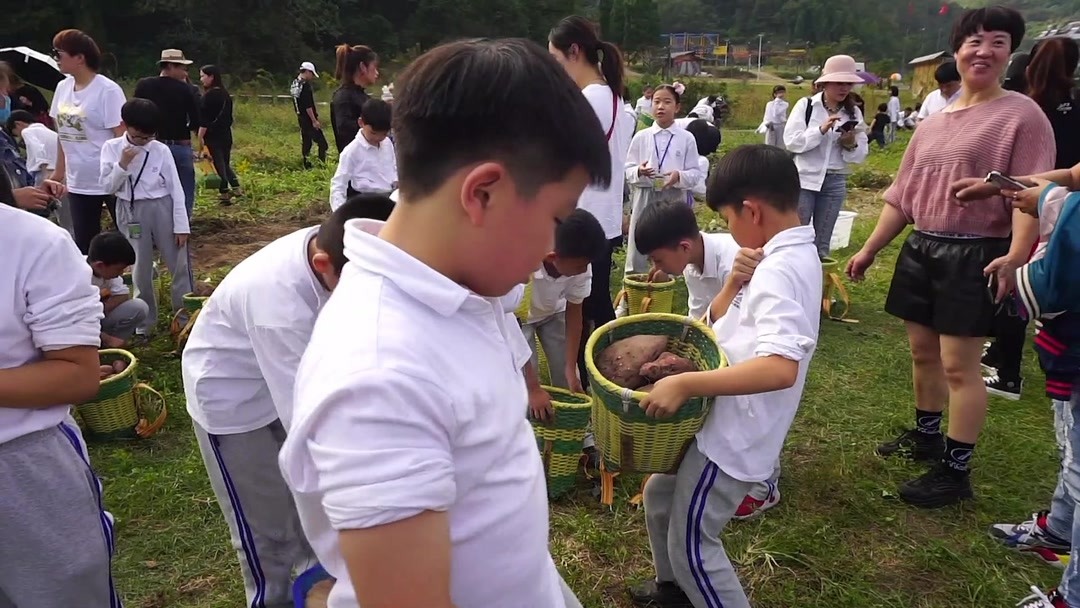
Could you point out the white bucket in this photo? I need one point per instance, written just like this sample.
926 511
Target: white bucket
841 234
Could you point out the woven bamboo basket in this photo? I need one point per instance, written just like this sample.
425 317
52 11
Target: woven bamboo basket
628 440
835 301
522 311
193 302
644 294
560 440
124 408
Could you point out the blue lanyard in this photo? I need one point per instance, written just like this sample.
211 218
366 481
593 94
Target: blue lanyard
660 166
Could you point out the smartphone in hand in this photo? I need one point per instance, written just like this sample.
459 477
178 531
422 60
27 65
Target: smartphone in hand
1004 182
849 125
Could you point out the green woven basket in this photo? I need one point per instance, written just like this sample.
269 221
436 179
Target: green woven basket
522 311
645 295
119 411
560 441
193 302
629 440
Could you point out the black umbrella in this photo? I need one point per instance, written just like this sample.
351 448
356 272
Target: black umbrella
33 67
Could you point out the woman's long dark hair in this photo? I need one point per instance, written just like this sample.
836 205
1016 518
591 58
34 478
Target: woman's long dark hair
214 72
349 61
577 30
1050 72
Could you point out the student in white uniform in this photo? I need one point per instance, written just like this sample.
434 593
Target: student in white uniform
772 125
416 473
41 143
662 165
239 367
644 103
367 164
150 209
948 79
893 110
559 287
768 329
57 541
707 137
110 255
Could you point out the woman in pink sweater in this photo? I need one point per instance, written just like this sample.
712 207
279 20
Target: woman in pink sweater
940 286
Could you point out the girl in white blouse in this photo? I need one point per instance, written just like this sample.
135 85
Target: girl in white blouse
662 164
775 117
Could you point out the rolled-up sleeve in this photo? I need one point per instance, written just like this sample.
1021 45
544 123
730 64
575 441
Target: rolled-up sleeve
380 446
783 325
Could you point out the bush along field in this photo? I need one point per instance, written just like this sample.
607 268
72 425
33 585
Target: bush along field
838 538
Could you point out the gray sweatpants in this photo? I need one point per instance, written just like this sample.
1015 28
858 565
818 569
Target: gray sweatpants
552 333
56 543
259 510
123 320
684 514
154 218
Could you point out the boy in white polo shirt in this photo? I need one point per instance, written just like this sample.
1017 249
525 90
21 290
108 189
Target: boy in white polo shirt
559 287
768 328
668 233
150 209
57 542
110 255
367 164
239 367
416 473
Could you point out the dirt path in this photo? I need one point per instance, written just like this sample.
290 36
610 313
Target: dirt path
225 242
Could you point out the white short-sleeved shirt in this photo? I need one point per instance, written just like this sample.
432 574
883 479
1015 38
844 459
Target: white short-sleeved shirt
606 205
776 313
702 284
49 304
390 422
84 122
241 358
40 147
550 294
934 103
115 286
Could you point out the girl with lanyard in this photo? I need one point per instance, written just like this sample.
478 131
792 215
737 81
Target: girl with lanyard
662 165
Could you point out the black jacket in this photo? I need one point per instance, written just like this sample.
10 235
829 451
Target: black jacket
345 113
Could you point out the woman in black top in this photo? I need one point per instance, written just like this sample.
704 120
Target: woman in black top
357 67
1050 83
215 132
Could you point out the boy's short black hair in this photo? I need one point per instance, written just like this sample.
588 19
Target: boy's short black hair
706 135
882 107
663 224
503 100
946 73
18 116
331 237
376 114
754 171
989 19
141 114
111 248
580 235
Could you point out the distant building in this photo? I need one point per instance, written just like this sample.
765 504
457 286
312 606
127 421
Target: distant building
686 63
922 78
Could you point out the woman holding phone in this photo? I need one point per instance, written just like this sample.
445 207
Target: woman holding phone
940 285
825 134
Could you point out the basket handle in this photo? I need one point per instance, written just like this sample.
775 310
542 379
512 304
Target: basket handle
619 298
833 282
646 302
147 428
549 448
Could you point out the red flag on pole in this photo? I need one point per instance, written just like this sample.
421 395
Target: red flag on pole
911 8
944 10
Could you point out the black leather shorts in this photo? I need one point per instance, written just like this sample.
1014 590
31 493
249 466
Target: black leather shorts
939 283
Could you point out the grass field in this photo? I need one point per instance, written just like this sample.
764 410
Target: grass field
838 539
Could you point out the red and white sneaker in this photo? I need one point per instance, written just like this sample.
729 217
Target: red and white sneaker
1038 599
752 507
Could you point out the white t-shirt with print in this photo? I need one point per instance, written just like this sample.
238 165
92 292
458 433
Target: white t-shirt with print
776 313
84 122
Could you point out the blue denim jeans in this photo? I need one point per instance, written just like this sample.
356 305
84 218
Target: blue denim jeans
185 166
823 207
1063 519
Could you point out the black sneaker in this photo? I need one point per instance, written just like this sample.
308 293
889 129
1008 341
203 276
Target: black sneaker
989 358
1007 389
914 445
938 487
659 595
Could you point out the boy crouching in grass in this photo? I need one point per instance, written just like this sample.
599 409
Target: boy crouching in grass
239 366
768 328
110 254
559 287
417 476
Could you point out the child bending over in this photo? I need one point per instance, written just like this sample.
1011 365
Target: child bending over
109 256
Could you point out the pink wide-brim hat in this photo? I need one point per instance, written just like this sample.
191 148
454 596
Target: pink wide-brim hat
839 68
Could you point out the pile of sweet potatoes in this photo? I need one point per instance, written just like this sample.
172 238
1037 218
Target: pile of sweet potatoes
108 371
638 361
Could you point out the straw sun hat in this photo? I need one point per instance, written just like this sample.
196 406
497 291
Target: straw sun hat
839 68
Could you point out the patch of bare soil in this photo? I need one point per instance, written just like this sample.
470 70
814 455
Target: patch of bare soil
224 242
